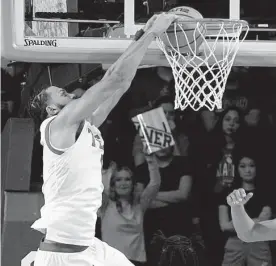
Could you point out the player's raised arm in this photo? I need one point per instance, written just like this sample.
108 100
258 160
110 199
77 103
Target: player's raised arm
100 99
247 230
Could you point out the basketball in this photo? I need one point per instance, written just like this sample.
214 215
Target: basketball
193 36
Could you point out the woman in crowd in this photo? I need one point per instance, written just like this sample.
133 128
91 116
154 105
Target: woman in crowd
237 252
215 173
226 139
123 210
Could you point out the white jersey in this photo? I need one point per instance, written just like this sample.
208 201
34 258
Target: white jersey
72 187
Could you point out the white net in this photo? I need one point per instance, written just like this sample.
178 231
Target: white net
201 69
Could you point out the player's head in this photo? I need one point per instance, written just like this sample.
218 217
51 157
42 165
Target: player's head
51 100
122 184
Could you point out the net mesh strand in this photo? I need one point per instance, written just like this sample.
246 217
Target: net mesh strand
200 77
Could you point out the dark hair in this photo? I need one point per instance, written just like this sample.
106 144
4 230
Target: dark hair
178 250
217 141
112 192
163 99
38 104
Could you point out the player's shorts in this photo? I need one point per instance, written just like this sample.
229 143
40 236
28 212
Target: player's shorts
239 253
100 254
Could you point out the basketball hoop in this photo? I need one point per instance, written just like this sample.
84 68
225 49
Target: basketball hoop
202 67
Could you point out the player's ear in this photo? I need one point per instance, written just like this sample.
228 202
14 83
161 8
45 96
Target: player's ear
52 110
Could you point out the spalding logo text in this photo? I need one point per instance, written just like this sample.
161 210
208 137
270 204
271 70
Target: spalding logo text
30 42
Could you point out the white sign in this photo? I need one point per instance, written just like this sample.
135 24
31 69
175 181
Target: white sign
154 130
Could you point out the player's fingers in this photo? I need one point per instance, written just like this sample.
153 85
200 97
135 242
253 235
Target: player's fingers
239 195
230 200
175 17
242 192
171 17
248 196
233 198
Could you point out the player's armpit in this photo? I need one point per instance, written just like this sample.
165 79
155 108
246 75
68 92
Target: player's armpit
102 112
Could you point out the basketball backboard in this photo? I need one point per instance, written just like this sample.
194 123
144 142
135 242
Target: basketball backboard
87 31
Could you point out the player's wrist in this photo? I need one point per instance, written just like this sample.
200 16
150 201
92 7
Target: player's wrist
145 34
237 207
139 34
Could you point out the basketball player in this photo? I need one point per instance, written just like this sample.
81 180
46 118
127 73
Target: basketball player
247 230
72 161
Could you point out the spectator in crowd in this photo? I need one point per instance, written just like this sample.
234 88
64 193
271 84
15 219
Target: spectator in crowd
170 212
226 138
258 128
181 140
209 119
215 172
257 121
258 208
123 210
148 85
